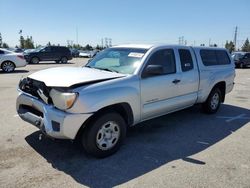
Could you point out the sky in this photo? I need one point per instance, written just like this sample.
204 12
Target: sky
125 21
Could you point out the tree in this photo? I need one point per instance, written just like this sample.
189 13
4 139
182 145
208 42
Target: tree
98 47
49 44
88 47
5 45
1 40
21 42
230 46
246 46
28 43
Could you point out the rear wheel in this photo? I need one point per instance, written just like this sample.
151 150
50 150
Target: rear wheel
34 60
213 101
8 66
104 136
64 60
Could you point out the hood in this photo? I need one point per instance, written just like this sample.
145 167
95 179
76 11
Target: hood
69 76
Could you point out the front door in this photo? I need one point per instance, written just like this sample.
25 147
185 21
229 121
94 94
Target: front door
158 92
45 54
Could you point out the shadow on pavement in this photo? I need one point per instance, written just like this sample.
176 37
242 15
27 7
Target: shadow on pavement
147 147
50 63
15 72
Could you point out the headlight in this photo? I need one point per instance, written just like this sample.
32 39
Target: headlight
62 100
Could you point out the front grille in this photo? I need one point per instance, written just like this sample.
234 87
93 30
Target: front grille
32 87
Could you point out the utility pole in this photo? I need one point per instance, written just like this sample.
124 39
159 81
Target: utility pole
235 37
76 35
181 40
110 42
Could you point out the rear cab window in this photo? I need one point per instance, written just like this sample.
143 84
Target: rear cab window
212 57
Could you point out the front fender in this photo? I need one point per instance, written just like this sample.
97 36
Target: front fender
91 100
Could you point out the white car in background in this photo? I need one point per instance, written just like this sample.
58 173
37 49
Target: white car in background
85 54
10 60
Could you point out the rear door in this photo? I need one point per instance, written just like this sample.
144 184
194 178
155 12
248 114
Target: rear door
57 53
189 84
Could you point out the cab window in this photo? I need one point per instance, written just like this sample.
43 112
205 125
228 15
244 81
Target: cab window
165 58
186 60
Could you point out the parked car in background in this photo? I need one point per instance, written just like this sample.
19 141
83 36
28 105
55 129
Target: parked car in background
74 52
121 87
10 60
236 56
59 54
84 54
88 54
18 50
28 50
241 59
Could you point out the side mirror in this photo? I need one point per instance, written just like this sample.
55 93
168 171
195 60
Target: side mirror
153 70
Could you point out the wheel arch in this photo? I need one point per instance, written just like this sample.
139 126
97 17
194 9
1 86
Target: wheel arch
7 61
124 109
222 86
36 57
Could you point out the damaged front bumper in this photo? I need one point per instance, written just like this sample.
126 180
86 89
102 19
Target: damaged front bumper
51 121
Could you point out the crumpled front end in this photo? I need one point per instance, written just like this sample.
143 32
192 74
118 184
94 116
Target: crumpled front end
34 106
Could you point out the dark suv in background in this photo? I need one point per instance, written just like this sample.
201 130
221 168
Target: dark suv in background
59 54
241 59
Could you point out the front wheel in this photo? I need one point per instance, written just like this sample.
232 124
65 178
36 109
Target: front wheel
34 60
104 136
213 101
8 66
241 65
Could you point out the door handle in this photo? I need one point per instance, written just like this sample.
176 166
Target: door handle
176 81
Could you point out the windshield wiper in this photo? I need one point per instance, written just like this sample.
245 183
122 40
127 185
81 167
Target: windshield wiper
100 68
105 69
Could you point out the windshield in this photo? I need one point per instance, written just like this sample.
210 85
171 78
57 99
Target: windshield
121 60
38 49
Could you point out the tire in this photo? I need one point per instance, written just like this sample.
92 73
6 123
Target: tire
8 66
57 61
34 60
241 65
104 135
64 60
213 101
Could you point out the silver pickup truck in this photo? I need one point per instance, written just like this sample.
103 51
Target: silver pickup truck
121 87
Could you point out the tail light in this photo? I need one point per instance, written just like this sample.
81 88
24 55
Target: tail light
21 56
